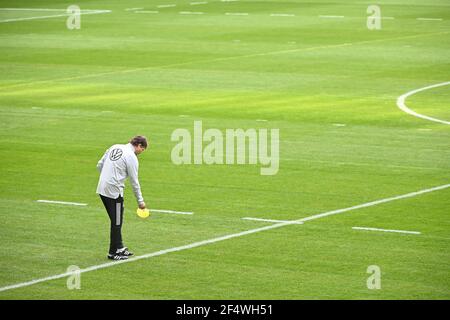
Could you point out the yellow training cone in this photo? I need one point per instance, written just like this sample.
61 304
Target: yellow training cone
143 213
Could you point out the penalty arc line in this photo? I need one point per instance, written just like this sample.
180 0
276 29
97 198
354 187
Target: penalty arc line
401 103
223 238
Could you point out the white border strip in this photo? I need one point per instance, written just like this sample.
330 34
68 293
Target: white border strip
223 238
401 103
385 230
62 202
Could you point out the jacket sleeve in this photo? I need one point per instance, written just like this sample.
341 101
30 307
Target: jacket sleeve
102 161
132 169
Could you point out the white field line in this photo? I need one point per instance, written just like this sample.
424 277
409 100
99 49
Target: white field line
331 17
55 16
85 204
223 238
197 3
401 103
34 18
236 14
62 202
44 9
145 11
190 12
171 211
268 220
282 15
385 230
166 6
261 54
430 19
374 203
339 124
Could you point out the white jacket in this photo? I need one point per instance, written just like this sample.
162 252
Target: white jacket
118 163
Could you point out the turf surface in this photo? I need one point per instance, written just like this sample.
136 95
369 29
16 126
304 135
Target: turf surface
329 84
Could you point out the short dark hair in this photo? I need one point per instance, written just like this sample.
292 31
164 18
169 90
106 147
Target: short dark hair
139 140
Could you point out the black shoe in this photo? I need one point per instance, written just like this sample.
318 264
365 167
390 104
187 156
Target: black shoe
124 251
117 256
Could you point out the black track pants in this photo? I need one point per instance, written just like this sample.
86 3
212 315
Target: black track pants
114 207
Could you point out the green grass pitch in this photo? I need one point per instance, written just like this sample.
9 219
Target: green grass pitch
328 84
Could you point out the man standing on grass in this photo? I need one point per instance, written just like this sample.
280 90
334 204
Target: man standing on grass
119 162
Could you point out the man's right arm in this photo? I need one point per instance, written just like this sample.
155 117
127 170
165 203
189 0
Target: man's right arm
102 161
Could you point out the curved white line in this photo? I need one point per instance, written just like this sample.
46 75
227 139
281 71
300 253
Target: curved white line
401 103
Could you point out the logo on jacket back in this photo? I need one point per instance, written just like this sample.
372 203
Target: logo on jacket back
116 154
